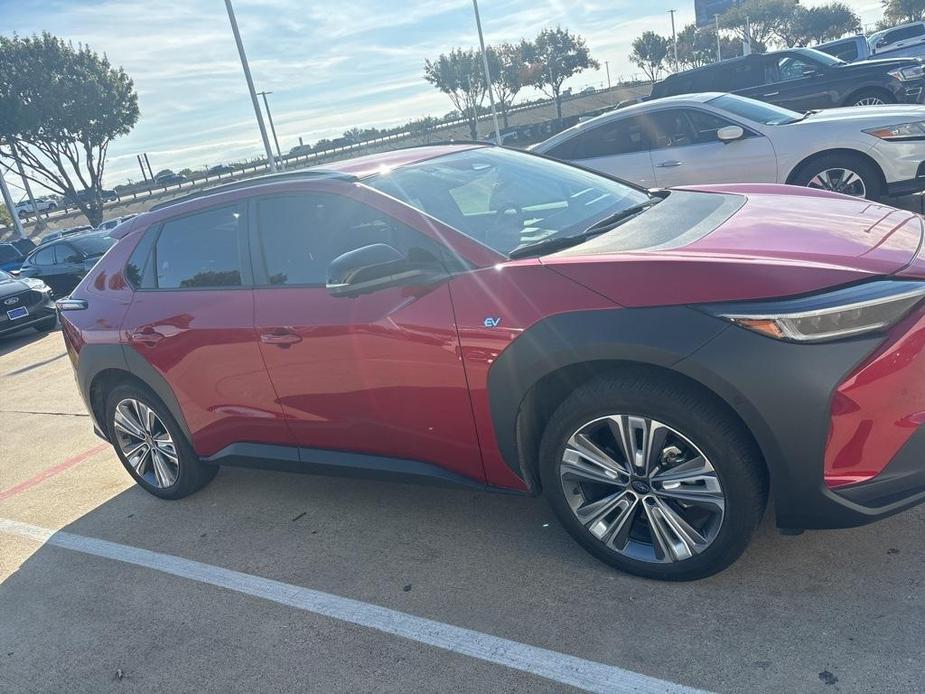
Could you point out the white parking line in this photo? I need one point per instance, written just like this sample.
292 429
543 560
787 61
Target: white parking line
559 667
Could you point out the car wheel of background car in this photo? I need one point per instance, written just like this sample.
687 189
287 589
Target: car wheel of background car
151 446
870 97
47 325
653 477
841 173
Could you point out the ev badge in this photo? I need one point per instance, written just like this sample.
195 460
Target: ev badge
492 322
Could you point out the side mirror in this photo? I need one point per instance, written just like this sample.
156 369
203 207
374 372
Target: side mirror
377 266
730 133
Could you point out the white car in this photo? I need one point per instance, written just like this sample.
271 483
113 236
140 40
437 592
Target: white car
866 151
24 209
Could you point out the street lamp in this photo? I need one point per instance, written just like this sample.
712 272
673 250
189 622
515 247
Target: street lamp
491 98
250 85
266 105
674 40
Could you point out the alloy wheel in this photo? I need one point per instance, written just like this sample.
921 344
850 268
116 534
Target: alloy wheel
146 443
869 101
839 180
642 488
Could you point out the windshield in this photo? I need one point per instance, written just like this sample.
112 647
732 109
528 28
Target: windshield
756 111
97 244
507 199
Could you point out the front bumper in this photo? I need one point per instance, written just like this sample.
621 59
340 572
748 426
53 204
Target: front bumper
37 314
786 395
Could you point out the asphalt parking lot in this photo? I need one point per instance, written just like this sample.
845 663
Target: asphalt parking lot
826 611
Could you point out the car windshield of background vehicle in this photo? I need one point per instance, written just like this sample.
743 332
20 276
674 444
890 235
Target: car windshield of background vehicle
756 111
93 245
507 199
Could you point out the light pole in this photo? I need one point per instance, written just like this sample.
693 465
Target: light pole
607 67
491 97
25 183
266 105
9 203
719 50
250 85
674 40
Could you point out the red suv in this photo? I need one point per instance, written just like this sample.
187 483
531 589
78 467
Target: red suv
651 361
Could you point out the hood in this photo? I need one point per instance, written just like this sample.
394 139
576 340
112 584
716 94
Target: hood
882 63
864 115
774 241
12 286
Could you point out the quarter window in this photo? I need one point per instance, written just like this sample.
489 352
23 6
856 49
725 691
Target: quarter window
299 235
199 251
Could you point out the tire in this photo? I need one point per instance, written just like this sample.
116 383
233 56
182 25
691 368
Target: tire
735 466
870 97
816 172
46 325
189 474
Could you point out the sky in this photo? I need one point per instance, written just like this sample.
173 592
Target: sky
331 65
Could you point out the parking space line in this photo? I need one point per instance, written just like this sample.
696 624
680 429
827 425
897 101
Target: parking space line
52 471
558 667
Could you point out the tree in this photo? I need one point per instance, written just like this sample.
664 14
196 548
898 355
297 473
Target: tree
768 20
818 24
650 53
5 218
509 73
697 47
459 76
900 11
60 107
554 56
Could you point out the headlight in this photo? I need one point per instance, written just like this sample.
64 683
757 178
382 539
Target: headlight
903 131
913 72
36 284
857 310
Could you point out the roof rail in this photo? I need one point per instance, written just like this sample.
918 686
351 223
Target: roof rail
297 175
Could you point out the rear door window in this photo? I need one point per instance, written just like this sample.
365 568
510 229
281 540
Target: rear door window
623 136
65 253
46 256
200 251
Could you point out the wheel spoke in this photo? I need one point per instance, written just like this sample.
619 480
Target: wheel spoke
167 450
127 422
162 471
581 449
674 535
821 180
139 458
693 482
608 517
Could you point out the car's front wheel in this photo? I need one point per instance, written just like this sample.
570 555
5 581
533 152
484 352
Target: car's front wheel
652 476
151 445
842 173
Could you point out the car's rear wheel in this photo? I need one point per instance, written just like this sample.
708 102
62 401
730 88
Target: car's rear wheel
653 477
151 446
842 173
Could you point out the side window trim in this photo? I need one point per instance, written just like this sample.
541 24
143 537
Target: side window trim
243 261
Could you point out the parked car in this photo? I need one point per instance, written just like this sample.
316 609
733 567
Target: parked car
106 195
854 48
63 263
61 233
115 221
13 253
25 303
220 169
25 208
723 138
474 315
802 79
910 36
171 179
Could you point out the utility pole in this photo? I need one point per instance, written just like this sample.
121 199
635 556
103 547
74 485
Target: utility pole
719 50
9 203
25 184
674 40
266 105
148 162
141 164
491 97
747 43
607 67
250 86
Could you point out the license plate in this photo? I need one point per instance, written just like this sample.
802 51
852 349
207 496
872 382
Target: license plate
18 312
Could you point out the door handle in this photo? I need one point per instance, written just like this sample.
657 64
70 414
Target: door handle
279 336
771 94
146 336
669 164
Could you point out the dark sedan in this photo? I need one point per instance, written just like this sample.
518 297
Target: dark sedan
62 264
25 302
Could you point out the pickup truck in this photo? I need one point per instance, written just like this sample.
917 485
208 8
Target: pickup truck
904 41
